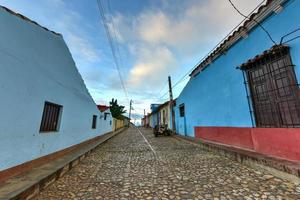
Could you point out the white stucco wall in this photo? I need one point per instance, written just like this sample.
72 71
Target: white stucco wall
36 66
106 125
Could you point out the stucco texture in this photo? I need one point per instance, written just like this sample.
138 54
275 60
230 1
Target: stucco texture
217 96
36 66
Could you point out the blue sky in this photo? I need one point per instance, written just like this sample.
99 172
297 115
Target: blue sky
156 38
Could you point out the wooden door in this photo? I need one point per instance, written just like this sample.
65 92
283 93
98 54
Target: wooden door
275 92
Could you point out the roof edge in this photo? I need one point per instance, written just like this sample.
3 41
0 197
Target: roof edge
28 20
274 50
261 14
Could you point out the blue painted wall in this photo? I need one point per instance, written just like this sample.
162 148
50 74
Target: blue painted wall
36 66
154 121
217 96
154 117
154 107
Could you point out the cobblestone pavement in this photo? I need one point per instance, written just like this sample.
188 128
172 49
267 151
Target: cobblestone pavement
125 167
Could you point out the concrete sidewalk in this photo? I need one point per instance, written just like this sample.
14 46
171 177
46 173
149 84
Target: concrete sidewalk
27 185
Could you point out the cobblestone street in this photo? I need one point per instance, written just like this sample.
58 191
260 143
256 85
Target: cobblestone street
136 165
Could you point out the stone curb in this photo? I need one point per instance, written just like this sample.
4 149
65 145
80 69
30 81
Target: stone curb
281 168
28 185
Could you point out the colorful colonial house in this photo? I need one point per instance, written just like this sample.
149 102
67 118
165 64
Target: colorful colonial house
154 117
145 120
106 118
246 92
45 105
165 115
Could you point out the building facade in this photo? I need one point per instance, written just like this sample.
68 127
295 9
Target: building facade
154 117
146 120
45 105
165 115
106 119
246 92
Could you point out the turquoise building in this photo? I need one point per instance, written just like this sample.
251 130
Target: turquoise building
248 81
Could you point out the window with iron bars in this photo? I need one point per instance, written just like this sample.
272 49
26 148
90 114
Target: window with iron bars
94 122
51 117
274 90
181 110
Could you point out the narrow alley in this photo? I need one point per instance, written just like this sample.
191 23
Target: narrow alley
137 165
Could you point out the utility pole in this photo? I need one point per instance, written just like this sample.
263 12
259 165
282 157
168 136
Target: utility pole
130 107
172 104
144 119
170 88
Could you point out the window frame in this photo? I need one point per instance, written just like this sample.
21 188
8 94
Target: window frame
51 120
182 110
105 116
94 121
272 108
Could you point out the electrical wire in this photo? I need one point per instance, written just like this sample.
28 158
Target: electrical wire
163 96
288 34
115 33
166 83
258 23
110 41
179 81
297 37
186 75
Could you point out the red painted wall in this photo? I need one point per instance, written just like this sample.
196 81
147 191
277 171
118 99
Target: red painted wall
240 137
277 142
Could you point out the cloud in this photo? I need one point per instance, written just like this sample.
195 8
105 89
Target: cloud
164 38
197 23
159 40
73 27
150 64
64 20
154 27
83 48
116 21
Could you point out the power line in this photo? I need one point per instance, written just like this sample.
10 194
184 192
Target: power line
288 34
114 32
110 41
175 85
290 40
185 76
163 95
258 23
166 83
182 78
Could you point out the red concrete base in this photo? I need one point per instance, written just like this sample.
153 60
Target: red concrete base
277 142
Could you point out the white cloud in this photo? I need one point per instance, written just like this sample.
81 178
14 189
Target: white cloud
154 27
151 67
83 48
156 42
196 24
160 40
63 20
114 27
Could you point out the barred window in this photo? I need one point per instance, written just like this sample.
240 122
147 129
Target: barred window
274 89
51 117
105 115
181 110
94 122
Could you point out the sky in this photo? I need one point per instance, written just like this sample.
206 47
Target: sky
152 39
